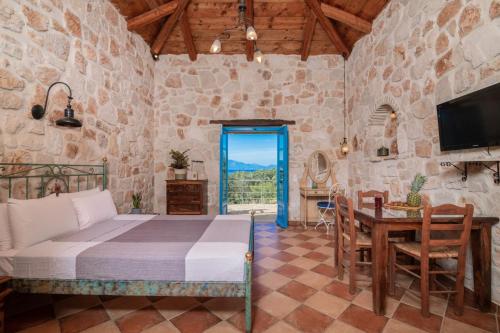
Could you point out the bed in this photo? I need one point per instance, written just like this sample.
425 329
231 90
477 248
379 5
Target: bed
128 255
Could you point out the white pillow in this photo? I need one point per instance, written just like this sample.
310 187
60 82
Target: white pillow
95 208
37 220
80 194
5 237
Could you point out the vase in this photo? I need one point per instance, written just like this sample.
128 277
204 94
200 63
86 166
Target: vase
136 211
180 174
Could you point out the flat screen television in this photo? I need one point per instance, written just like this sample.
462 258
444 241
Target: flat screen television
470 121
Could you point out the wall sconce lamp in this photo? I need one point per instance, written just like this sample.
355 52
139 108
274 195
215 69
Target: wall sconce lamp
344 147
38 111
394 115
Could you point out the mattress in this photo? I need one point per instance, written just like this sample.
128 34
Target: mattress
6 259
143 247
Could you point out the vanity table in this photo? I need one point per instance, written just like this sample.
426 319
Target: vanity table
315 185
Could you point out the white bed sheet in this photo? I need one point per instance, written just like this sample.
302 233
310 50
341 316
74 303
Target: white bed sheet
6 258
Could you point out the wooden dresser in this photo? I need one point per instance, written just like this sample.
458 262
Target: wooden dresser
186 197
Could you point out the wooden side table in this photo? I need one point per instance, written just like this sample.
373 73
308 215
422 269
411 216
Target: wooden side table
186 197
4 292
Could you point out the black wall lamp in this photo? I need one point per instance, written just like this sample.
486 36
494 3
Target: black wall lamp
38 111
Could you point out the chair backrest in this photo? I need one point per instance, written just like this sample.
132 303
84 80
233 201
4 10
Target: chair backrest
334 189
371 194
452 231
345 217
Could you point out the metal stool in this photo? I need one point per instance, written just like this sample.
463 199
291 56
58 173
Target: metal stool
327 207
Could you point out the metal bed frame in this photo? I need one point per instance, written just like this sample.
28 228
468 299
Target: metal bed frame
55 178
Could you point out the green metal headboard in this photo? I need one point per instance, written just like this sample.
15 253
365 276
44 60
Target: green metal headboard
50 178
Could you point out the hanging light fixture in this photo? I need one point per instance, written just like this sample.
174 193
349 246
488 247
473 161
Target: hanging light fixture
243 25
344 146
38 111
394 115
216 46
258 55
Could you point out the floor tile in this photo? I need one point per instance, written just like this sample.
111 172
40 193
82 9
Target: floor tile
163 327
341 290
261 320
269 263
370 323
318 256
267 250
339 326
222 327
121 306
273 280
454 326
313 280
298 291
75 304
473 317
326 250
308 245
437 305
107 327
304 263
139 320
259 291
396 326
195 320
277 304
170 307
412 316
298 251
82 320
51 326
290 271
327 270
284 256
365 300
225 307
281 327
31 318
328 304
308 320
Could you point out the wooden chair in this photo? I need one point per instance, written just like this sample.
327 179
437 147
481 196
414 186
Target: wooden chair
4 292
443 239
347 232
371 194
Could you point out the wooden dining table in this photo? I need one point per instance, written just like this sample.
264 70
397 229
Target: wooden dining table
382 222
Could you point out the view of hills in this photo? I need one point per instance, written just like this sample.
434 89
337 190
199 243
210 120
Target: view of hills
235 166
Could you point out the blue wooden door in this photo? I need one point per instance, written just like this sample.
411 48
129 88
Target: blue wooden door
223 192
282 178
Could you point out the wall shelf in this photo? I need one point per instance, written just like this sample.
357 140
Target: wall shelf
463 167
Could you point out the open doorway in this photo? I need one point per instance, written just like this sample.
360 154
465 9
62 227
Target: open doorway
254 172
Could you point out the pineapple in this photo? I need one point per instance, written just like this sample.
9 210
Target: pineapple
414 199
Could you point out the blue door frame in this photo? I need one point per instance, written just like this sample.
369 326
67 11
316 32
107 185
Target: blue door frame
282 167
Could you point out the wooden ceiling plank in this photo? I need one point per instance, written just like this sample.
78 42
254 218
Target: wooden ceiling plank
308 36
347 18
328 27
152 15
188 36
167 28
250 48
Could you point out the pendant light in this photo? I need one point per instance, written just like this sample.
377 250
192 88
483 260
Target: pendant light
344 146
216 46
243 25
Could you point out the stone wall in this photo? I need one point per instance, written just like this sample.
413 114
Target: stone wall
419 54
110 70
188 95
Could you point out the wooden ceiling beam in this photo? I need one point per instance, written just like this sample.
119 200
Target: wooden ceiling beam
167 28
152 15
308 36
188 36
250 45
347 18
327 25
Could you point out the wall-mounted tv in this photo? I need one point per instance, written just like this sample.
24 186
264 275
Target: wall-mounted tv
470 121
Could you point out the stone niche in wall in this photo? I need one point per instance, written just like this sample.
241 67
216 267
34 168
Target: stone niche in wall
385 131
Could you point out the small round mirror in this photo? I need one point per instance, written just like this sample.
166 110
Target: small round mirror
319 167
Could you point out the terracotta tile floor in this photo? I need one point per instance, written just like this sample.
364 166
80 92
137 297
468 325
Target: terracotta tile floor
294 290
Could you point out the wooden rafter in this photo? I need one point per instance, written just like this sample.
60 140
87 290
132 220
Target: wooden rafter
167 28
152 15
250 49
327 25
351 20
188 37
308 35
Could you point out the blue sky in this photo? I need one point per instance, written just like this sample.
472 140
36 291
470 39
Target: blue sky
253 148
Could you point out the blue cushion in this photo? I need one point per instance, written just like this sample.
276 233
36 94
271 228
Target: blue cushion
326 205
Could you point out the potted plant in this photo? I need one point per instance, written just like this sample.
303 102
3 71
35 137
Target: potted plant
136 203
180 163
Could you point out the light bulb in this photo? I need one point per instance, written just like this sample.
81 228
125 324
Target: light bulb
344 147
216 46
394 115
258 56
251 33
